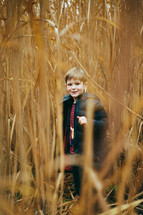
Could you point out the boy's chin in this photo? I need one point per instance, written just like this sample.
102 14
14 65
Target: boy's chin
74 96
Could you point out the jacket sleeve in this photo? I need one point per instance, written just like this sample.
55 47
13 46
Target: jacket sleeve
100 121
99 117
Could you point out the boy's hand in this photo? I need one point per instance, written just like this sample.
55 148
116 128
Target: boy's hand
82 120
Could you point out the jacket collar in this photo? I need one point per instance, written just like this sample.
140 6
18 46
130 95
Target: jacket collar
67 98
81 97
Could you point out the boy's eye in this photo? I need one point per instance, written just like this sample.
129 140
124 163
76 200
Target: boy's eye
69 85
77 83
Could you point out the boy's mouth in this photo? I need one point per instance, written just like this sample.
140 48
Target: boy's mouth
73 91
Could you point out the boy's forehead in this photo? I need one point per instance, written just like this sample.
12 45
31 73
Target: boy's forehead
74 79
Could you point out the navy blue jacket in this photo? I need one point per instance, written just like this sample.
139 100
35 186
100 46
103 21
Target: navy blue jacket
100 125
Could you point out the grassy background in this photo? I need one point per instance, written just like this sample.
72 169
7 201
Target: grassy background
39 41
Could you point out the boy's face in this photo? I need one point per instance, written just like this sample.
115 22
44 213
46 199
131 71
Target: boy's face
75 87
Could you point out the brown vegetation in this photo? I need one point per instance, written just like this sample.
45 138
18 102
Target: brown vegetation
39 41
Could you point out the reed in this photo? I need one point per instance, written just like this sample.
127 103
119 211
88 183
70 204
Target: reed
39 41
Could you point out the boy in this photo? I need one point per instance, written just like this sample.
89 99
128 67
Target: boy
75 121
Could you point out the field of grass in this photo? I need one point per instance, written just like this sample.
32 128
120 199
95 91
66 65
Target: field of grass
39 41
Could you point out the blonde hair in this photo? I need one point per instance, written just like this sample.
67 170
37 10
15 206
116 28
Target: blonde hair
75 73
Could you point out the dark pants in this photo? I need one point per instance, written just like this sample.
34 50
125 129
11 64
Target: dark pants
77 176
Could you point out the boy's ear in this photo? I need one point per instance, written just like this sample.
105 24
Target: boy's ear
86 85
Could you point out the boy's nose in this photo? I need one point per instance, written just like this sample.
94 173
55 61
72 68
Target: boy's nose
73 86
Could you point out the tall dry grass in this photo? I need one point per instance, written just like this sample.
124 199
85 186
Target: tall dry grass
39 41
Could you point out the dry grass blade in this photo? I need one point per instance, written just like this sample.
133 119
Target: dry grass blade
122 208
5 208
